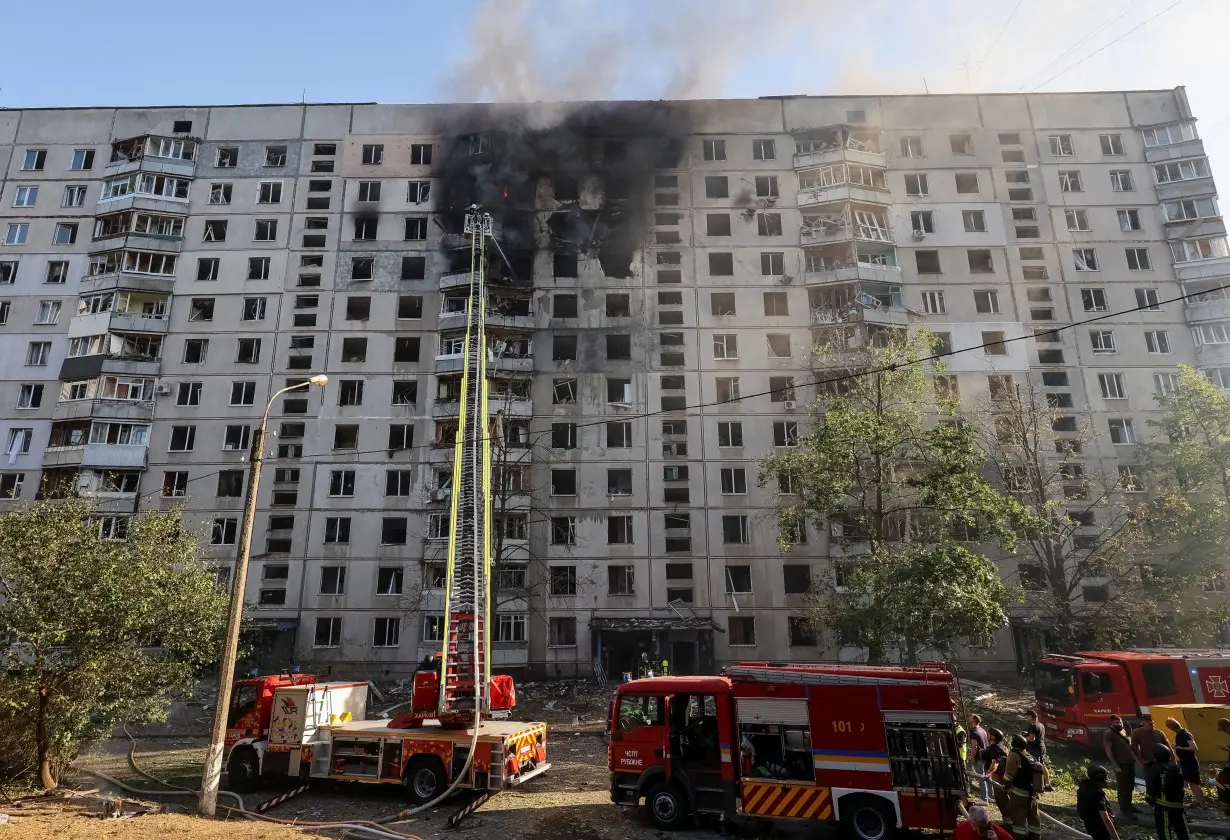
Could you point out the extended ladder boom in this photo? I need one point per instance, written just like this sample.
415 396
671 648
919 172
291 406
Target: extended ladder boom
466 670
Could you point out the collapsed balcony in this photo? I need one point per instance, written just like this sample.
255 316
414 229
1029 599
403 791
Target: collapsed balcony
868 302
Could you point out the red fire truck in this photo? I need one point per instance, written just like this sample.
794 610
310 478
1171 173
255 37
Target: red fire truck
1077 694
871 748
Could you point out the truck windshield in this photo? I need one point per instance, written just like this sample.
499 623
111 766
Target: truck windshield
243 700
1055 684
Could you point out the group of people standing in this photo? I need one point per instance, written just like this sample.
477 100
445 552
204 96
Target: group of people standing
1011 774
1014 775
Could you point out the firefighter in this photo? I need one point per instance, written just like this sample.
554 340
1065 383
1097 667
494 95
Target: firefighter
994 758
1025 778
1165 791
1092 807
962 744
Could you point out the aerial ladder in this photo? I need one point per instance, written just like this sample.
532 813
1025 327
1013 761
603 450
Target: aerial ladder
457 687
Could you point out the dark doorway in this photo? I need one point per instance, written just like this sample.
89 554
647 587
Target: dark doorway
683 658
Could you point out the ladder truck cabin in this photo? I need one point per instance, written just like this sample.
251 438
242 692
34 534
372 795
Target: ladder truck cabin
456 734
871 748
1076 694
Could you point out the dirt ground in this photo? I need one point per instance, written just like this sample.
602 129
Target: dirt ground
570 802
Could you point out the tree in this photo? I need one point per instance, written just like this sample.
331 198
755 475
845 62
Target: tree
1081 533
1189 473
95 631
907 501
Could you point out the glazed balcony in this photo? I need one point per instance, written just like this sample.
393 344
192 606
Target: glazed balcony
838 144
842 182
850 261
846 221
151 153
98 455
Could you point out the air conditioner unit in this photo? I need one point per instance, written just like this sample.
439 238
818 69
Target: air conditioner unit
163 390
920 235
789 405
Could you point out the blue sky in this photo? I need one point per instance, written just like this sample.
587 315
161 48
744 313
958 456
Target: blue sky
144 53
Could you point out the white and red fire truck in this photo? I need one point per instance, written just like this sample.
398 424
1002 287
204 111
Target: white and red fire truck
871 748
293 726
1077 694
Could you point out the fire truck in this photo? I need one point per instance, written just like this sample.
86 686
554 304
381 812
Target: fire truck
1077 694
871 748
456 733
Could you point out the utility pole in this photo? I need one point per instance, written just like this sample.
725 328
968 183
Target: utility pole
211 777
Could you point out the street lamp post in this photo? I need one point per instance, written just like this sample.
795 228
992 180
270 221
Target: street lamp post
212 775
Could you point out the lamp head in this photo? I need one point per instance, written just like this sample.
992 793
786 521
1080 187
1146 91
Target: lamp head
319 379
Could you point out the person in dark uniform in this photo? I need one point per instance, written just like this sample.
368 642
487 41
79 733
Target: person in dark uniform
1035 736
994 760
1165 791
1189 764
1092 807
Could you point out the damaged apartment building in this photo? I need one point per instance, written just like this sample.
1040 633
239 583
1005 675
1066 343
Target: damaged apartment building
658 277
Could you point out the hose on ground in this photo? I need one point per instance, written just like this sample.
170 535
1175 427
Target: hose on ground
1058 823
364 826
145 792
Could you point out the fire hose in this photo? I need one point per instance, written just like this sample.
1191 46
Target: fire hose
1057 822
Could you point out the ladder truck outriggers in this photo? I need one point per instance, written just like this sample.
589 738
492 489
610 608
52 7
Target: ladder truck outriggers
457 734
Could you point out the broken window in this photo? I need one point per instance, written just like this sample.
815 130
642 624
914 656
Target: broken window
961 144
764 150
769 224
362 268
228 158
420 154
722 303
916 183
727 388
911 146
980 261
716 186
563 482
928 262
766 186
416 228
974 221
564 392
358 308
618 306
772 263
566 188
725 347
717 224
564 305
779 345
365 228
373 154
619 347
714 149
354 349
721 264
563 348
220 193
967 182
413 268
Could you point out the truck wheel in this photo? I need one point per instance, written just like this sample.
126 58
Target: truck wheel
243 770
425 779
868 817
667 805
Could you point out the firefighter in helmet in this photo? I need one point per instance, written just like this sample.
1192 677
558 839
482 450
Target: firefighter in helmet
1024 778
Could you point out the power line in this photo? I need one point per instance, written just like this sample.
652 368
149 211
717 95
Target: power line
978 67
1115 41
1106 22
816 382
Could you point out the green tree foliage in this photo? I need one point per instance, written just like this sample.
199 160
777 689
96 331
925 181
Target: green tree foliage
96 631
1189 473
910 506
1082 536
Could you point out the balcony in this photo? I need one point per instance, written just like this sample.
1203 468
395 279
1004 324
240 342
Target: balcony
849 223
453 363
159 166
130 280
1214 306
100 409
444 409
151 153
821 194
105 455
102 322
1213 355
139 241
838 144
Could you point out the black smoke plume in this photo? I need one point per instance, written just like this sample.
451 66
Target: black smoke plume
584 184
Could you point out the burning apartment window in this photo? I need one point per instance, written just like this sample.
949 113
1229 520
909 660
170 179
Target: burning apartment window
714 149
416 228
365 228
764 150
275 156
420 154
413 268
373 154
717 186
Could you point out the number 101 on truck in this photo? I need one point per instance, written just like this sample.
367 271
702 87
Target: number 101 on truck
871 748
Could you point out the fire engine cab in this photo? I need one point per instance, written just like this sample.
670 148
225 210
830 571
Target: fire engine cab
871 748
1077 694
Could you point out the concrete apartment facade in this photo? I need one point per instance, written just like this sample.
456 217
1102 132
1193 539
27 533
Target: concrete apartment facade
164 270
